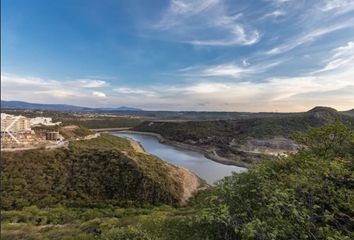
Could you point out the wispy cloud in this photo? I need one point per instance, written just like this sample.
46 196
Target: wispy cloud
343 57
231 70
331 85
277 1
297 62
309 37
341 6
274 14
204 23
133 91
40 89
207 88
179 10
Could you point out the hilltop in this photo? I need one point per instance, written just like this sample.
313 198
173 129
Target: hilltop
349 112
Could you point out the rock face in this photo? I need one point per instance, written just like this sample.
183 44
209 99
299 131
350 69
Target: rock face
190 182
273 146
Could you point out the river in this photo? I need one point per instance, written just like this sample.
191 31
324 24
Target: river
205 168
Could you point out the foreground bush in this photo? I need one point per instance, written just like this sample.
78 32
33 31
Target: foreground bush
308 195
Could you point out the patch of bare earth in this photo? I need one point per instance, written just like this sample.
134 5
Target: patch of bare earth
190 182
70 127
137 147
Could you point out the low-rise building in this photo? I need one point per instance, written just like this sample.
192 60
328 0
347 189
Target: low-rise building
53 136
46 121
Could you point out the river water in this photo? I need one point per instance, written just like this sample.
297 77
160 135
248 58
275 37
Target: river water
196 162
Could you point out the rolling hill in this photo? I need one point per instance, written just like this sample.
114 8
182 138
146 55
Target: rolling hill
244 140
103 170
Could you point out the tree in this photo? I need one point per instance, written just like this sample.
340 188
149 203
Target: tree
333 140
307 195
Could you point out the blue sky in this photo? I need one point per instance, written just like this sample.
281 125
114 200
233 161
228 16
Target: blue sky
245 55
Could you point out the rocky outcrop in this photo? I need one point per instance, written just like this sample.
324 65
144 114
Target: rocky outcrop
272 146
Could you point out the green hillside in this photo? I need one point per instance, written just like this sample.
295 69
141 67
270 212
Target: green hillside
349 113
307 195
226 136
105 170
243 128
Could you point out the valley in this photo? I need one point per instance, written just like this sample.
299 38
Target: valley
177 120
205 168
158 174
243 142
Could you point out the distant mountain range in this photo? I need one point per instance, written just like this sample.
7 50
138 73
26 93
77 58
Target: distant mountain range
59 107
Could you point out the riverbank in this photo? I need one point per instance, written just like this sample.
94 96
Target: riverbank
190 181
212 155
104 130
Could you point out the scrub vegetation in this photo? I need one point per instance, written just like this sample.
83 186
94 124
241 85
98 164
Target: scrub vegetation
104 170
306 195
228 137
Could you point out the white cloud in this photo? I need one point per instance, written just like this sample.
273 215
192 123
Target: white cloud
207 88
180 10
330 86
216 88
58 93
26 81
245 63
231 70
277 1
274 14
204 23
227 70
45 90
91 83
338 5
133 91
281 94
99 94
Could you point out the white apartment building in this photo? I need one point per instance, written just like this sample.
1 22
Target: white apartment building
14 124
46 121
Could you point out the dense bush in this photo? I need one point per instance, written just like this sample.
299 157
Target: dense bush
104 122
227 137
104 170
308 195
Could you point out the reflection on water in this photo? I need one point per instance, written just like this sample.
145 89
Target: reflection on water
205 168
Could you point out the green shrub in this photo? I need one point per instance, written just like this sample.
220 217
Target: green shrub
19 232
127 233
100 171
308 195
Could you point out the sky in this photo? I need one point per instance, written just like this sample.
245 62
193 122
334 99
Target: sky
204 55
